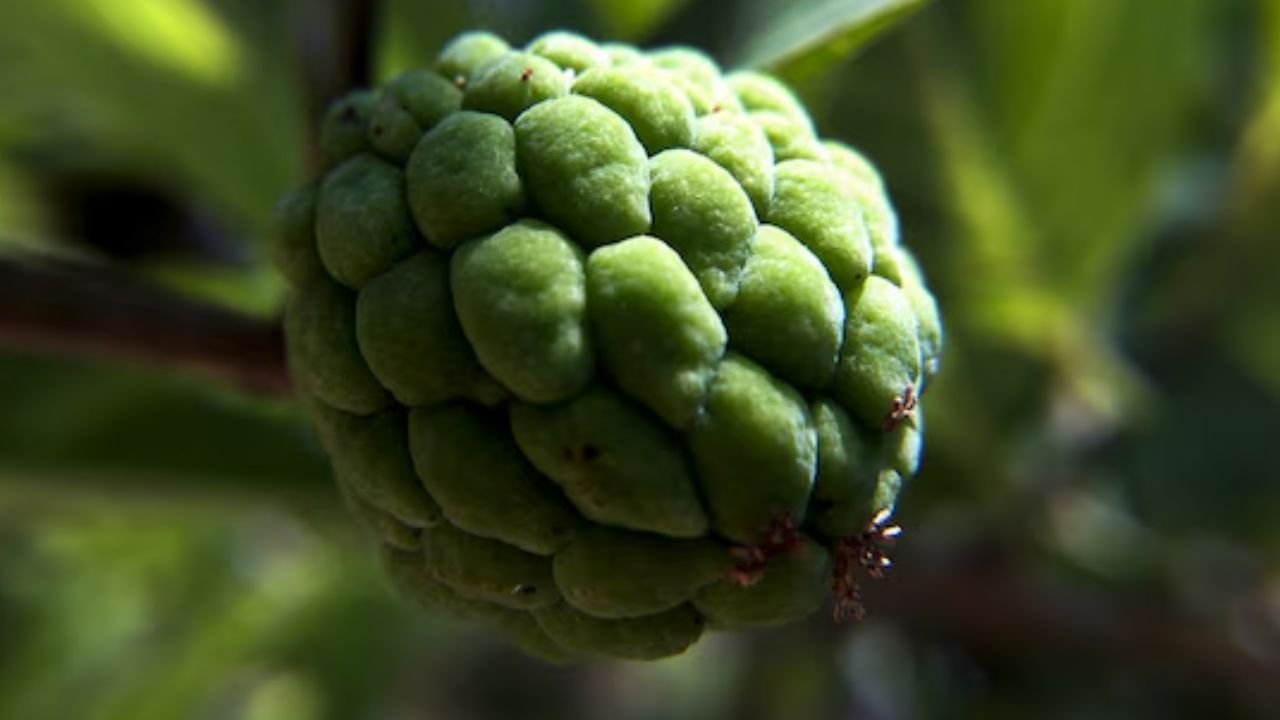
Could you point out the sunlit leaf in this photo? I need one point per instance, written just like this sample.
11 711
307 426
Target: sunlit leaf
1011 287
801 37
1089 102
1259 151
180 35
254 290
124 86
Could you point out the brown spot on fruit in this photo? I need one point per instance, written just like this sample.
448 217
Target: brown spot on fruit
903 406
751 560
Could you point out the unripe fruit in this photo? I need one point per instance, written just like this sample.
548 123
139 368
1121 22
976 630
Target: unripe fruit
412 103
606 347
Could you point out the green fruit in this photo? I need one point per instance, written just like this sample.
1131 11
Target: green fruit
344 132
660 115
488 570
694 72
483 483
386 528
362 220
293 247
755 451
659 336
789 138
370 459
741 147
850 460
585 169
523 630
324 357
465 55
793 586
461 179
757 91
622 54
702 212
412 103
409 334
788 315
605 346
853 164
618 464
642 638
512 83
521 296
810 202
408 572
610 573
925 308
570 51
879 364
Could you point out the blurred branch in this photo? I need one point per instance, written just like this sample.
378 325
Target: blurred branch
334 59
988 605
79 308
355 22
994 606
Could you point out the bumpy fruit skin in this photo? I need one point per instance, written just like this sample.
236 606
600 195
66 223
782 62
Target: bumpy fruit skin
607 348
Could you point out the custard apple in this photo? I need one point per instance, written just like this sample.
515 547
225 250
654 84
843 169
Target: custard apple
607 347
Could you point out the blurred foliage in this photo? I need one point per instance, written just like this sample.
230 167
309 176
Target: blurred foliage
1090 184
805 37
121 431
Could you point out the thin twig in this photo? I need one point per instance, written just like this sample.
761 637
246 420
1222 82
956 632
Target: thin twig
61 306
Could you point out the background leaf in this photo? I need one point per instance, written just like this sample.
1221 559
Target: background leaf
222 126
799 38
120 431
631 21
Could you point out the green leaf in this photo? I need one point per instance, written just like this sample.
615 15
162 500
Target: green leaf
810 35
1090 102
205 102
1001 238
153 611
